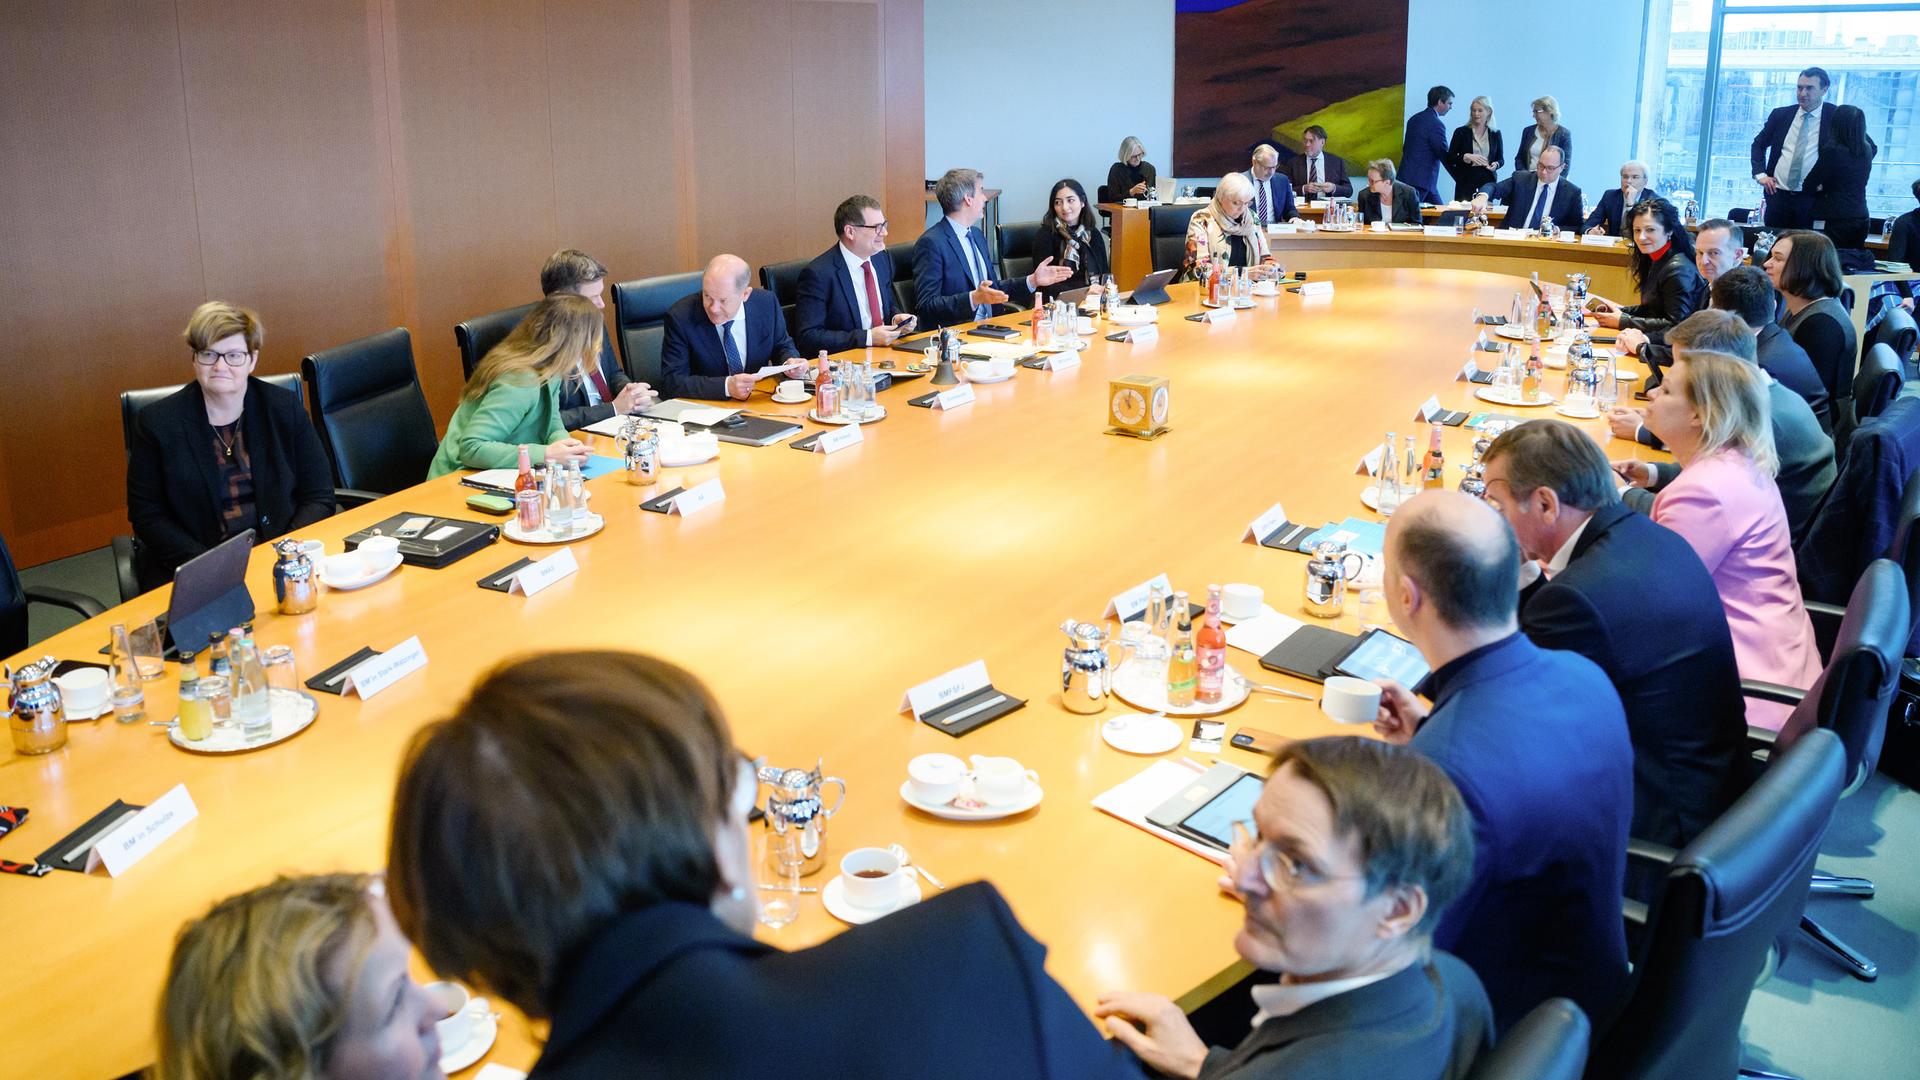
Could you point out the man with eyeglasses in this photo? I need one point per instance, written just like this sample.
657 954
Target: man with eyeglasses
846 293
1362 847
1533 198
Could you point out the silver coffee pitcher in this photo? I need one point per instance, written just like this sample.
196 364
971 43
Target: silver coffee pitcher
797 816
639 447
1327 577
34 709
295 586
1083 669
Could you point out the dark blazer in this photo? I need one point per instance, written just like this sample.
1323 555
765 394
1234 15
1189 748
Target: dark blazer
1672 291
1904 245
826 312
1855 525
941 280
1468 179
1121 177
1780 356
1421 151
1516 194
575 413
1824 329
1048 244
173 498
951 987
1562 138
1425 1022
1334 169
1406 204
1537 743
1667 651
692 362
1772 140
1279 196
1611 209
1838 182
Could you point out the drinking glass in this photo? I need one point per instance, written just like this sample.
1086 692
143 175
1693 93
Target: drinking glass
282 674
780 906
129 700
218 693
1066 318
149 649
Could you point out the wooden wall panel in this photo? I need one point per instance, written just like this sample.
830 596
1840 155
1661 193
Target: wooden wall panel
743 139
836 104
903 81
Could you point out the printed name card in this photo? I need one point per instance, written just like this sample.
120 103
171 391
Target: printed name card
1061 361
1439 230
1467 371
1132 604
1286 229
128 844
837 439
539 575
1511 234
382 671
1213 315
1370 465
1428 409
1266 524
935 693
1149 332
698 498
1597 241
1377 226
954 398
1316 288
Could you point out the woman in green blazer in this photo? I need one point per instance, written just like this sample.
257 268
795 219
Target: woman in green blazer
513 398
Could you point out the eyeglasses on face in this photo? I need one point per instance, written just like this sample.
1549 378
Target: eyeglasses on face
208 358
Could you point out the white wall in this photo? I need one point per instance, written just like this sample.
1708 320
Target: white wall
1590 65
995 104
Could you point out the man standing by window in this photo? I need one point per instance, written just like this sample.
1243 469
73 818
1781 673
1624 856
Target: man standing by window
1786 148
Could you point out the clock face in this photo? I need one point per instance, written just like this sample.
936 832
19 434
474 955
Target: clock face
1159 405
1129 405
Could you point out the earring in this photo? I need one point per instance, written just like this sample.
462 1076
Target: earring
738 894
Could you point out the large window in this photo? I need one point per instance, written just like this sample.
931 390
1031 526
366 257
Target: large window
1715 68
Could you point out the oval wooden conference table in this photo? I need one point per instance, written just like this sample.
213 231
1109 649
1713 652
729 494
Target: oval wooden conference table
809 600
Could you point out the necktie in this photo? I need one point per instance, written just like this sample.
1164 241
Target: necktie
1313 169
600 385
1539 205
1801 144
977 262
734 364
879 317
1260 189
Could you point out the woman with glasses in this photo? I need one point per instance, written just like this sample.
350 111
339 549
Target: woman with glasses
1132 176
1070 236
226 453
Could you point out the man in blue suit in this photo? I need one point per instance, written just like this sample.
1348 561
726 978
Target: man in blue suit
1425 146
1667 650
1536 741
1272 192
718 339
846 294
1534 197
953 279
1788 146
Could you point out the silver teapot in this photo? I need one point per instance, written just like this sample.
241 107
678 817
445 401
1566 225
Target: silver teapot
1327 577
1083 670
295 586
34 709
798 817
639 446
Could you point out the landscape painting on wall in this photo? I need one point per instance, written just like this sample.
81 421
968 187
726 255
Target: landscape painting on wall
1253 71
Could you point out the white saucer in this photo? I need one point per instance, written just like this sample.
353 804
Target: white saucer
1243 304
1370 496
834 897
95 713
988 380
392 563
485 1030
1511 331
1133 315
1486 393
1138 733
512 531
1056 347
956 811
801 400
1265 288
693 450
1572 415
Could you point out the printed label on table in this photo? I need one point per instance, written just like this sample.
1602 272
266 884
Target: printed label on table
954 398
536 576
1061 361
379 672
698 498
1597 241
1149 332
1264 525
1439 230
1431 407
1370 465
955 684
837 439
128 844
1316 288
1133 603
1282 229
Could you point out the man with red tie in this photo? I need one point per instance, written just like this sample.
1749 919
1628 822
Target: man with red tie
845 299
607 390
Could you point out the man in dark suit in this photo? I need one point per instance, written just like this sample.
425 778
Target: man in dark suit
953 279
1609 218
1667 650
1537 742
846 294
606 390
1341 904
1316 174
1272 199
719 339
1425 145
1785 151
1534 197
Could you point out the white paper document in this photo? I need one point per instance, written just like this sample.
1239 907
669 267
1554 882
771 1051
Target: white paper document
1132 800
1259 635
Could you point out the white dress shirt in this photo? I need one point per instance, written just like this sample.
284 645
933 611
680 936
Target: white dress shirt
1543 198
856 270
1532 569
1785 168
1285 998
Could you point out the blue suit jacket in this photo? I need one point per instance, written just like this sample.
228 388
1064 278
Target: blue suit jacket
826 313
1537 743
575 413
1772 140
1607 215
1279 196
692 364
941 280
1516 194
1422 152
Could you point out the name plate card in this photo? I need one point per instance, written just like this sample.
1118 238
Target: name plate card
1214 315
1286 229
1439 230
1149 332
1512 234
954 398
539 575
128 844
1132 604
698 498
937 693
1597 241
1370 465
384 670
1316 288
838 439
1377 226
1061 361
1266 524
1432 412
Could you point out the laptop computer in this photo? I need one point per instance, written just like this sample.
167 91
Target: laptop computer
1163 188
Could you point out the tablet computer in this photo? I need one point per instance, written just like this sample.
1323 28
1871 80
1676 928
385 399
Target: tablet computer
1206 809
1382 655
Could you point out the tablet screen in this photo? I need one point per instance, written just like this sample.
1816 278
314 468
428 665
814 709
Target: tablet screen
1214 821
1380 655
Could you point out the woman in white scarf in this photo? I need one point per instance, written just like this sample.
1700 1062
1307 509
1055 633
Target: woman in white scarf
1223 231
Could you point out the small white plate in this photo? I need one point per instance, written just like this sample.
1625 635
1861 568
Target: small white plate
1512 331
959 811
843 419
1133 315
339 584
1370 497
1138 733
293 712
1149 693
94 713
1591 414
512 531
1079 344
485 1030
1265 288
690 452
800 400
987 380
1486 393
834 897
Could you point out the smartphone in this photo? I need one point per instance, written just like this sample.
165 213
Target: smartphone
412 528
1207 736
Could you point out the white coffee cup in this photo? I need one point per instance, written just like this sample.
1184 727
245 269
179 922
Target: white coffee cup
1001 781
870 877
313 549
1001 366
792 390
980 369
1241 601
934 779
83 690
458 1022
376 552
1350 700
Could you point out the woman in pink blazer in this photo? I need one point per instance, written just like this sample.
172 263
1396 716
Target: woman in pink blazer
1712 413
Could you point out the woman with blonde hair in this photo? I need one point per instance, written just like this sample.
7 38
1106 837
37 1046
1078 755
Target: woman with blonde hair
513 398
1475 154
1223 231
1131 176
297 980
1545 131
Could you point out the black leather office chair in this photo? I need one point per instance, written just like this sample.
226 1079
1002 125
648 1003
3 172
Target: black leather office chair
1878 381
902 255
1851 698
783 281
478 335
1167 227
1709 934
640 319
1896 328
1549 1043
14 599
372 416
1016 248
